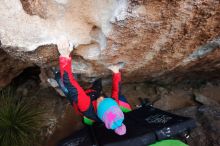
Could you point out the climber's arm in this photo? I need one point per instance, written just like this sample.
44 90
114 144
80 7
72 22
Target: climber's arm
116 80
74 89
76 92
116 85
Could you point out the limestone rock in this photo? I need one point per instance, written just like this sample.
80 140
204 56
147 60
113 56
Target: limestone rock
89 52
10 68
208 121
164 41
205 100
29 24
175 100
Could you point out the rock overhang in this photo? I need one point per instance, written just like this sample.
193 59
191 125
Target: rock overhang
159 40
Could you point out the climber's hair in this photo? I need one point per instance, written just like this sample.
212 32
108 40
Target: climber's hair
103 94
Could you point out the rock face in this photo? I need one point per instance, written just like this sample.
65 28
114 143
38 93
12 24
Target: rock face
160 40
10 68
207 119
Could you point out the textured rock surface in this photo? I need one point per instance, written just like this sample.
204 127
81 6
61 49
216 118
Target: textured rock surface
160 40
208 120
205 100
10 68
31 23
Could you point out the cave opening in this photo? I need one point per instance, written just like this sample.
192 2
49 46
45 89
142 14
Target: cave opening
30 76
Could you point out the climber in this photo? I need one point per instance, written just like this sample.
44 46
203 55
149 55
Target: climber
92 103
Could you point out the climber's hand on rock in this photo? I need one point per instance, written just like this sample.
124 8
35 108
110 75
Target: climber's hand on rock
116 67
113 68
64 47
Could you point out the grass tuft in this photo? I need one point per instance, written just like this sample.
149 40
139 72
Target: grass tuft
20 120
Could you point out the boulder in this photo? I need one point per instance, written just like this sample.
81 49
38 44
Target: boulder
205 100
208 121
10 68
164 41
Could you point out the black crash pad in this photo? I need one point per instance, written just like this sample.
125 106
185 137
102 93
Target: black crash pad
145 125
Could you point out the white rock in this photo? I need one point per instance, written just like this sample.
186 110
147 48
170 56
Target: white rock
73 19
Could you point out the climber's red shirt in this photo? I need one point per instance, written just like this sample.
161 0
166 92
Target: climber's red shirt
80 98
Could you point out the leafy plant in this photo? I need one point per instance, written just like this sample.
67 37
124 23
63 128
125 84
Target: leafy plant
20 120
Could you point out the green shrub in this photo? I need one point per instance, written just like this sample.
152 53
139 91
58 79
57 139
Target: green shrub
20 120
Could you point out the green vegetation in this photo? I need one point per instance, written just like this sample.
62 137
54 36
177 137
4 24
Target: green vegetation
20 120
